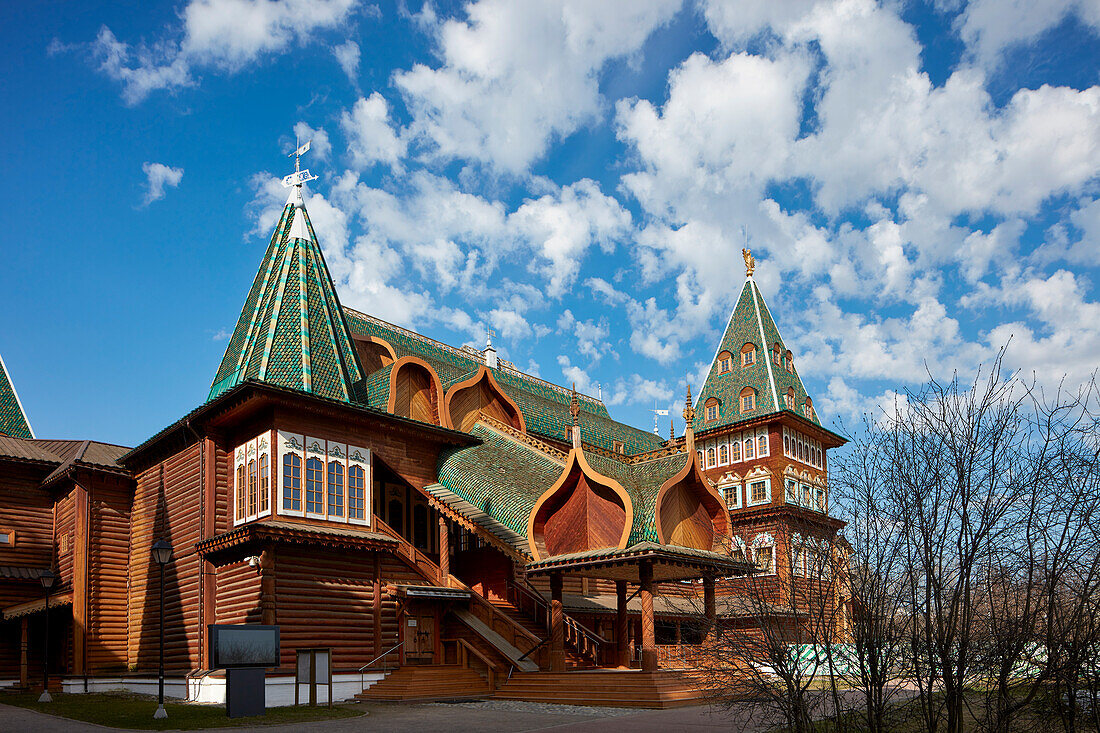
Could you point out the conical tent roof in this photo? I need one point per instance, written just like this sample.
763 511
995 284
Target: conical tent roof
750 323
291 331
13 421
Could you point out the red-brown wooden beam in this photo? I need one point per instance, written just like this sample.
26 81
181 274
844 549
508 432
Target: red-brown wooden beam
649 637
622 645
557 625
709 609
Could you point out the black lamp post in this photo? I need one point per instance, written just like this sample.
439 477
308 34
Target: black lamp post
162 553
46 578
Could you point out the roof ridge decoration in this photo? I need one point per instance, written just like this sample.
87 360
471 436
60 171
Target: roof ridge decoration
291 331
525 439
13 418
750 322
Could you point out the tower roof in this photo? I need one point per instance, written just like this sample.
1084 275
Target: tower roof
13 420
751 323
291 331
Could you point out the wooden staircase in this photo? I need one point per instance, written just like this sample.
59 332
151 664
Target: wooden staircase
573 660
615 688
414 683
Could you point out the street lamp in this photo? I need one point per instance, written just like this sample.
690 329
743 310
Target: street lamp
162 553
46 578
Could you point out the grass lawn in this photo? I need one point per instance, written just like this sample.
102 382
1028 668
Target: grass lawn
127 710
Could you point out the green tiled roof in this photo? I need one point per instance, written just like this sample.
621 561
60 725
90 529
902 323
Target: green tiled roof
291 331
13 421
501 477
750 322
504 479
545 406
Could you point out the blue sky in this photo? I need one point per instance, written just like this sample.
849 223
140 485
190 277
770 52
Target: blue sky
918 181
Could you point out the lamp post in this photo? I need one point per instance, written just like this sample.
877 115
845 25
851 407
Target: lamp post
162 553
46 578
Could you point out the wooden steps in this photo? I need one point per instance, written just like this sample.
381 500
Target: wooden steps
572 659
613 688
413 683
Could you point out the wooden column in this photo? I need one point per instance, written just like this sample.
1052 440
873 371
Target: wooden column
376 601
444 552
708 604
649 638
81 548
267 587
622 640
24 664
557 625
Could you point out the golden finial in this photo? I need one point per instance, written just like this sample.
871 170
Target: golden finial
671 429
750 262
574 404
689 410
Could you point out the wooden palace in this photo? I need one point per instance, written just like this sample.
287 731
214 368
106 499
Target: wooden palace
447 525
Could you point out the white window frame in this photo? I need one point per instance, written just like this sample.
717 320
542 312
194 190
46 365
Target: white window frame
736 441
723 447
806 495
318 449
767 491
336 453
250 450
791 492
740 546
290 444
361 457
763 433
821 499
712 458
711 412
731 493
764 541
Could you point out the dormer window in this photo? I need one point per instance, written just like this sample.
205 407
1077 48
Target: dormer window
789 399
748 399
725 362
748 355
777 354
788 363
618 447
808 408
710 411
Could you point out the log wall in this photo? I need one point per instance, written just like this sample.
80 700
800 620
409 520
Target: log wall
108 576
28 511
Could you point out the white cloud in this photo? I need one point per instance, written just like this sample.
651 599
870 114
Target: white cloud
479 104
347 55
561 227
575 376
157 177
371 139
989 27
222 34
637 390
320 147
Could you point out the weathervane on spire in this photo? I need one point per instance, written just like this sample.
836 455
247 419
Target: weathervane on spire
299 176
750 262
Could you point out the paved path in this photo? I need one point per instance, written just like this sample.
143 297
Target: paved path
404 718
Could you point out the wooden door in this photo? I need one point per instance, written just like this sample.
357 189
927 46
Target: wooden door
420 638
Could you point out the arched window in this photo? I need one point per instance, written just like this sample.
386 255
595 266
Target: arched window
723 454
292 482
240 492
710 458
740 551
265 490
762 444
710 410
808 408
252 482
788 363
777 354
725 362
699 454
736 449
748 355
763 553
748 399
335 489
789 399
355 492
315 497
749 448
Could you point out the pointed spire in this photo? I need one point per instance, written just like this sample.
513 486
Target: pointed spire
575 411
291 331
490 350
671 429
13 419
689 419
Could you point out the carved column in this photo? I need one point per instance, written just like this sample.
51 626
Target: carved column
649 638
557 625
622 642
708 605
444 552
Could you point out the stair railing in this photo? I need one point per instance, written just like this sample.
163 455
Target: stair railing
385 657
585 641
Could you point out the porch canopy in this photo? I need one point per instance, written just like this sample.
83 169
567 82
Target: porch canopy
643 564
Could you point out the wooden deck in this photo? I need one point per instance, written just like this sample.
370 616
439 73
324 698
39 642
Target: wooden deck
611 687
